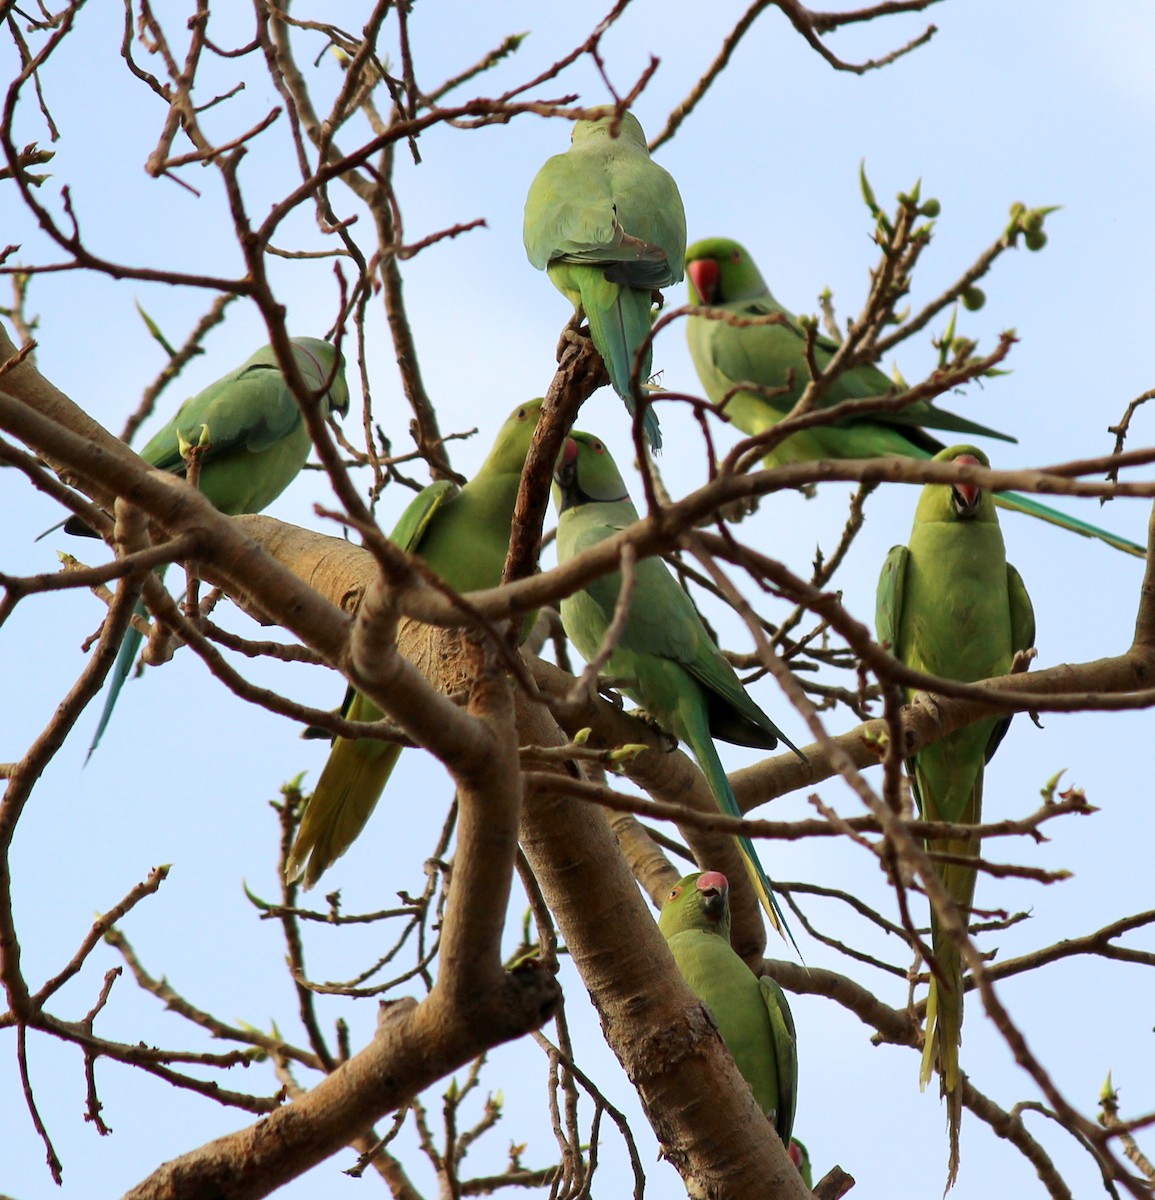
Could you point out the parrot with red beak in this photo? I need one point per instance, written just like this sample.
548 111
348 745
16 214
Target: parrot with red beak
772 355
751 1011
950 604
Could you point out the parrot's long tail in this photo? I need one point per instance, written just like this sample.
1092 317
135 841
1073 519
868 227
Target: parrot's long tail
944 1004
715 773
619 319
1014 502
121 669
351 783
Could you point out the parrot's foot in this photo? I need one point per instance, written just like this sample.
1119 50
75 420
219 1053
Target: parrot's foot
651 724
1022 661
933 706
574 334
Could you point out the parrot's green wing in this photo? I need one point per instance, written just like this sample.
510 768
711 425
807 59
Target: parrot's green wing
785 1044
462 535
255 442
246 411
415 520
772 356
888 599
1022 611
1022 638
607 224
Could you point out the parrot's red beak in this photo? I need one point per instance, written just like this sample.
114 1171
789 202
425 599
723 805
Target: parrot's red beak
565 468
714 888
704 274
967 495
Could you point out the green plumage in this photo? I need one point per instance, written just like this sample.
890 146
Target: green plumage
607 224
255 442
752 1014
676 672
462 535
723 275
950 604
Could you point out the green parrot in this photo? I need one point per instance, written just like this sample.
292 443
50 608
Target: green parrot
674 669
751 1011
607 224
723 275
800 1157
951 605
462 534
255 442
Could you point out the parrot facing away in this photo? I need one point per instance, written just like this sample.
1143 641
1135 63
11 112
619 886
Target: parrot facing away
723 275
462 535
751 1011
673 667
950 604
254 442
607 224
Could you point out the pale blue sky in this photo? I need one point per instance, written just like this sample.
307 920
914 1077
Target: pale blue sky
1048 105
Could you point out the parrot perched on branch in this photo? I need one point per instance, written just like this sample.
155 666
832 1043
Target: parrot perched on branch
607 224
462 535
752 1014
723 275
950 604
673 667
253 442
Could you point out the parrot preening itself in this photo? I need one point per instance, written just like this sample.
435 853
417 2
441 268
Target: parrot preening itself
751 1011
253 441
950 604
722 274
673 667
607 224
462 535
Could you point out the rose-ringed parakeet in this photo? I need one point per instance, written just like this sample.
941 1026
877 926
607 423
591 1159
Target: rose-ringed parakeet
462 534
752 1014
800 1157
950 604
673 667
253 441
723 275
607 224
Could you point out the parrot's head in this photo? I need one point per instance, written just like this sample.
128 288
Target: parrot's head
586 474
513 440
319 361
965 501
609 125
720 271
800 1157
700 901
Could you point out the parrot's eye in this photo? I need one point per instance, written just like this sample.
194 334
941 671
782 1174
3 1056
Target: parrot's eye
674 894
599 448
736 256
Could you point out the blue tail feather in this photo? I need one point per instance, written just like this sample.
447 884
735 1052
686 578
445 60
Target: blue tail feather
116 678
1014 502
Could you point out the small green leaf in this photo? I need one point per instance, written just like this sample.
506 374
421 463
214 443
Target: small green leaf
154 329
867 190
